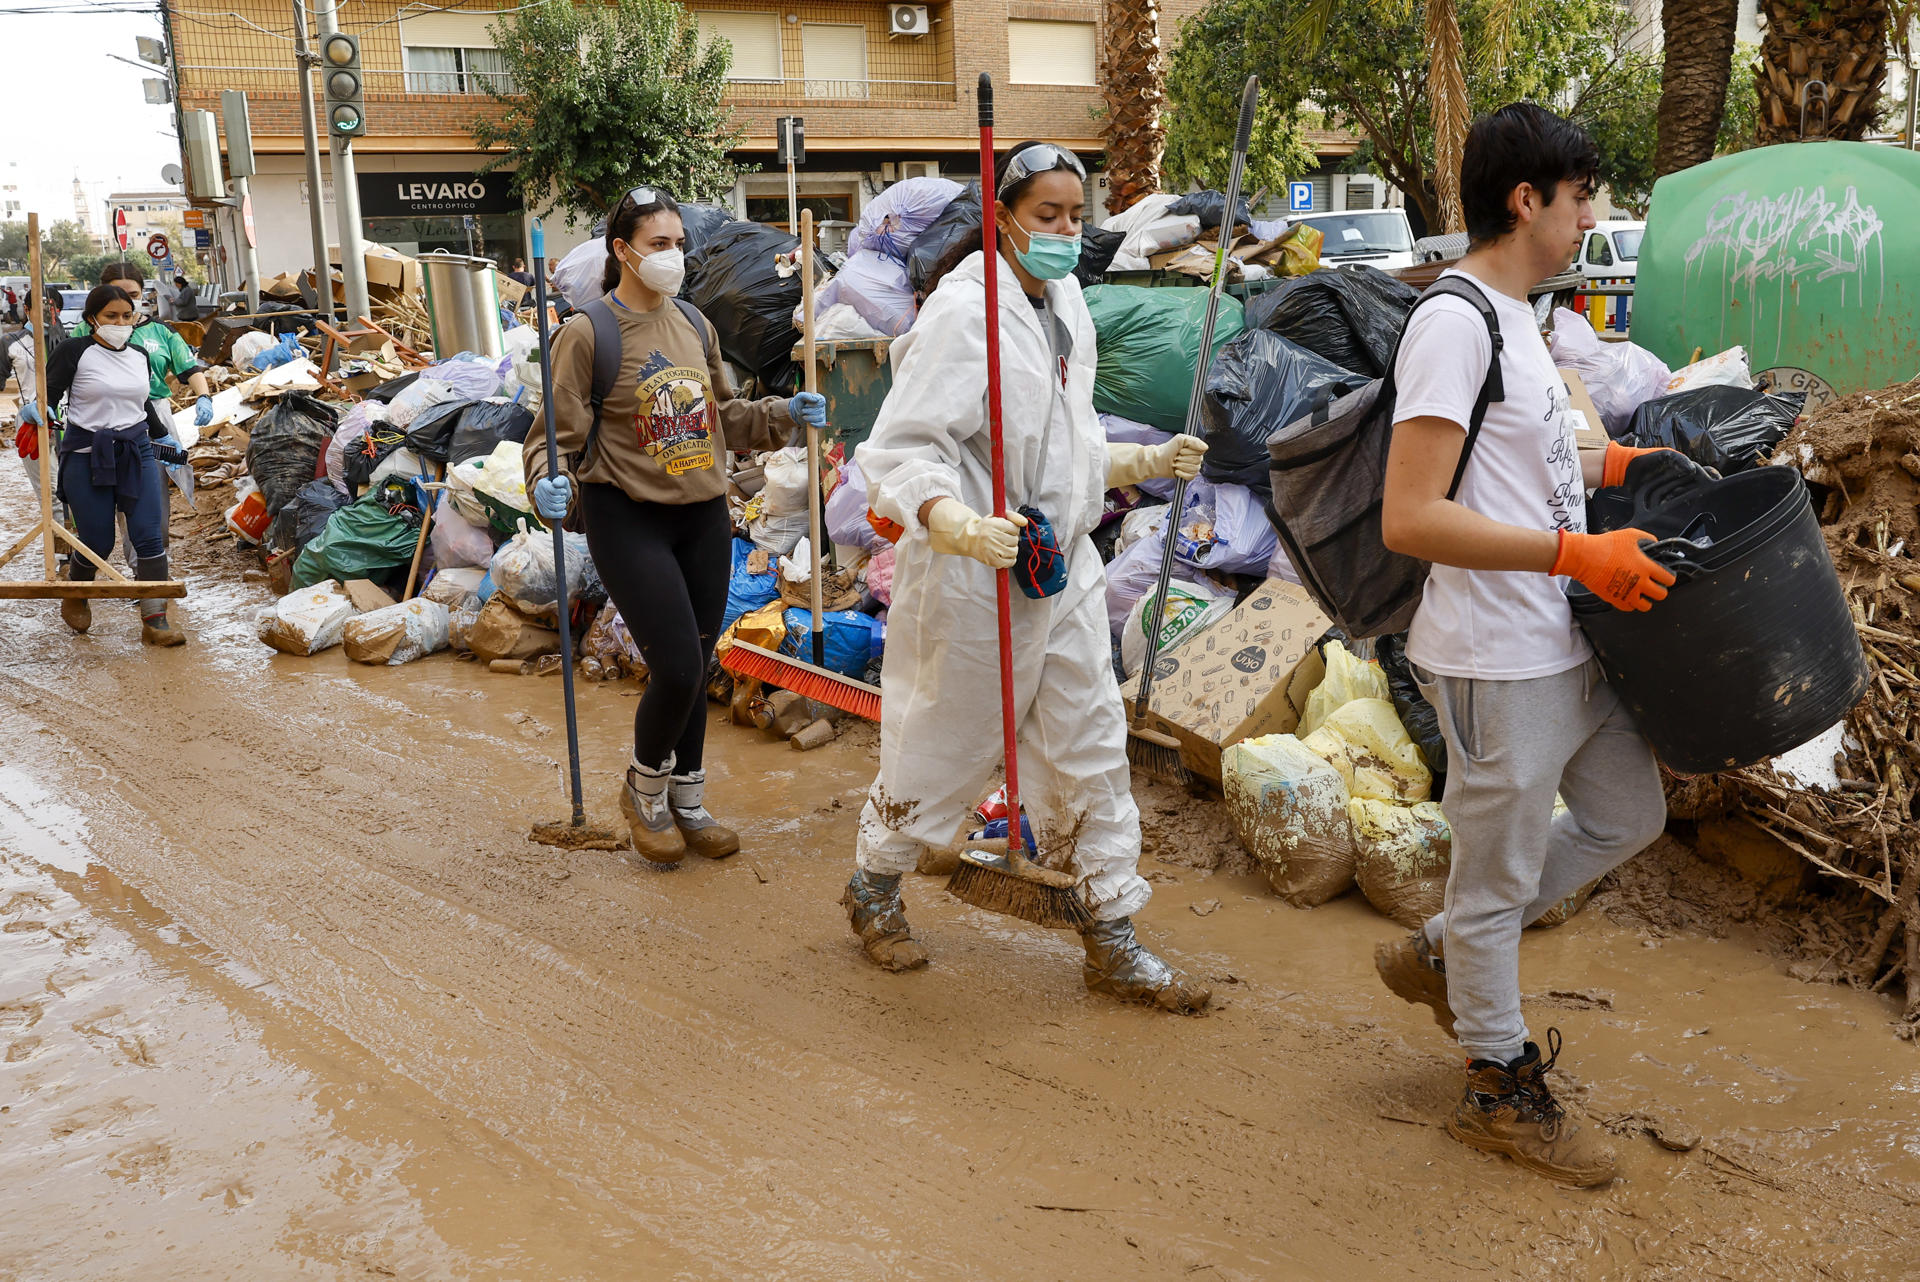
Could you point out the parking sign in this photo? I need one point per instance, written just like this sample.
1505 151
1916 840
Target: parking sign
1299 198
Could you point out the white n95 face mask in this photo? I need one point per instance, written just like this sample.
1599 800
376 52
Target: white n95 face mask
663 271
115 336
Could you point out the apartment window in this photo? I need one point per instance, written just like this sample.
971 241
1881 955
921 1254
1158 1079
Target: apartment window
755 38
1051 53
471 71
835 59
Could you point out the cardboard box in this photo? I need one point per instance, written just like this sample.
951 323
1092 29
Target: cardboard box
282 288
389 271
1249 674
1594 435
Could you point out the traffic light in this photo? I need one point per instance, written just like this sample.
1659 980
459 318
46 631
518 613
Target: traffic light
340 71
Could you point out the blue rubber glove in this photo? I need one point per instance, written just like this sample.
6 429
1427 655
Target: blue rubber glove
203 411
809 409
552 496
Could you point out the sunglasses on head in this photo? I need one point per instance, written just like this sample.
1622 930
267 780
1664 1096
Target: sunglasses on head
1040 159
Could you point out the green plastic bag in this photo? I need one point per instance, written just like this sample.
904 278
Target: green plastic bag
1148 341
361 540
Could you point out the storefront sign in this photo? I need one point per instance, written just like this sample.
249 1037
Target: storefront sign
436 195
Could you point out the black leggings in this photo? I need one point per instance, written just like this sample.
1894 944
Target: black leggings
666 566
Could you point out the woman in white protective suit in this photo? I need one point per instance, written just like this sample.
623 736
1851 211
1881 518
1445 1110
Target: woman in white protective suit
927 469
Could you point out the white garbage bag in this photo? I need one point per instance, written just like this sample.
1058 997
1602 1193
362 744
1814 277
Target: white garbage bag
397 634
307 621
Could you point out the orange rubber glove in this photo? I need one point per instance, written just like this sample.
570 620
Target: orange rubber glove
1614 567
1614 470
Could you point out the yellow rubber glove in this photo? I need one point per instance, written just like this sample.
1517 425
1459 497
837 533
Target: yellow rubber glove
1131 464
958 530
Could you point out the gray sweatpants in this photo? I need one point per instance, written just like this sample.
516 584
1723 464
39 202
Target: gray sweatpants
1510 746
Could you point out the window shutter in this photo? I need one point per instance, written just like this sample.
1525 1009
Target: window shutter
1051 53
755 38
835 60
449 30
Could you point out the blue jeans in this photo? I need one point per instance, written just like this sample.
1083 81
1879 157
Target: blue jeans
93 509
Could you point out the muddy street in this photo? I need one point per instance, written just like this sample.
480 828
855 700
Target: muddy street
286 992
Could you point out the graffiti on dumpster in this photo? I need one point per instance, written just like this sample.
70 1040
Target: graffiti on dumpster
1787 238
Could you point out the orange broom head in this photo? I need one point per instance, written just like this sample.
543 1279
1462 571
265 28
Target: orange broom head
857 698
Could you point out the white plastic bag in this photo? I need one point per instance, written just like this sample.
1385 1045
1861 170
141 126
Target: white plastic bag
1620 377
307 621
779 535
1289 809
846 511
785 491
840 323
418 395
875 285
579 274
456 587
397 634
894 219
522 572
499 476
1242 540
1134 571
1191 609
456 540
1724 369
248 346
403 463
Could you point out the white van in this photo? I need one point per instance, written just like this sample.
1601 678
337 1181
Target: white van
1380 238
1611 250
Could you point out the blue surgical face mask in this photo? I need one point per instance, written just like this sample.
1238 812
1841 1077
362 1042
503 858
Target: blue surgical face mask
1047 256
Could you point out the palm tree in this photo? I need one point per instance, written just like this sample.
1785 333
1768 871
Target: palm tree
1699 37
1842 44
1135 86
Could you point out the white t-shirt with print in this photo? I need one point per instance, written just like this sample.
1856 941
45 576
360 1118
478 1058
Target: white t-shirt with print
1502 625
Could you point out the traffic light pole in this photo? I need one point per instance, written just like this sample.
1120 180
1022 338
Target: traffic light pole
346 196
316 216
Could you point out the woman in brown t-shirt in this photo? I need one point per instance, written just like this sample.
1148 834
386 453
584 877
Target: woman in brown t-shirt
650 466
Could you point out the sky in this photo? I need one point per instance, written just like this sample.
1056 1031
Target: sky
66 108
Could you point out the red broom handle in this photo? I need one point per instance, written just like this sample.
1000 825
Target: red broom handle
990 246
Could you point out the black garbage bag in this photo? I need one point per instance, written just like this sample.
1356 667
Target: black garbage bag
1729 429
1350 315
1257 385
363 457
1097 248
1420 718
1208 206
486 425
431 433
284 450
701 222
302 520
386 391
732 280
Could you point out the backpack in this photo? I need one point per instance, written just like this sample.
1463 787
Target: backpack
1329 472
606 362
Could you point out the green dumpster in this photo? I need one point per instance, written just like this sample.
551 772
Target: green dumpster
1798 252
854 377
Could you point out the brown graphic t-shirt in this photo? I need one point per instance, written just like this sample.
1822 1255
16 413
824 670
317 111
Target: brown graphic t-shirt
670 416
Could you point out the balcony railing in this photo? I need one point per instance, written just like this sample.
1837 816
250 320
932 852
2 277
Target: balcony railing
455 82
795 90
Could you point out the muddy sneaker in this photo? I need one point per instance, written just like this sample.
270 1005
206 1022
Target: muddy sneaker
644 802
1120 965
1412 971
1508 1108
874 910
703 834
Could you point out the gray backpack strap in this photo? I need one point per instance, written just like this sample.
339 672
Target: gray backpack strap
699 323
606 369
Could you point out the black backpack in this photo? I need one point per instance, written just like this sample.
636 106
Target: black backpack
1329 471
606 362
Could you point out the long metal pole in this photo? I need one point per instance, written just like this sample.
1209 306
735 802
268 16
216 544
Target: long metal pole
316 217
346 195
42 344
249 255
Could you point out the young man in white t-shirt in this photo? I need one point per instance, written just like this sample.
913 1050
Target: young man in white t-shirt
1522 705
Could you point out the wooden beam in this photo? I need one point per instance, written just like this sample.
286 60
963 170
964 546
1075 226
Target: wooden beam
125 589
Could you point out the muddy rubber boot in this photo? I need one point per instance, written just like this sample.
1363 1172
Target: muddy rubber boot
874 910
1508 1108
704 835
1120 965
1412 971
156 625
76 611
656 838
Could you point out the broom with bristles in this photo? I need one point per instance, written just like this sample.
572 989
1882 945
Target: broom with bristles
1153 751
1007 883
812 680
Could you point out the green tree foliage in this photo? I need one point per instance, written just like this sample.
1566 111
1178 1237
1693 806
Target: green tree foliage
1618 105
1367 73
607 98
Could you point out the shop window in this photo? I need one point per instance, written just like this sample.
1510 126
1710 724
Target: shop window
456 70
835 59
1051 53
773 209
755 38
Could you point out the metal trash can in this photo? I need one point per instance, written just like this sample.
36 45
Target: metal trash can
855 379
463 304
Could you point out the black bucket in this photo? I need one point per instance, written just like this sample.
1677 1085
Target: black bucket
1754 650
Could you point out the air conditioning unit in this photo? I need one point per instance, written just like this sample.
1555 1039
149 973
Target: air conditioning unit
907 19
919 169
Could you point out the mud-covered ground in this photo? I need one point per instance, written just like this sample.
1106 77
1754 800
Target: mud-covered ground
285 992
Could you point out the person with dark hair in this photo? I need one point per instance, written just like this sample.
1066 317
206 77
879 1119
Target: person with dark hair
186 301
1522 704
520 273
107 459
927 469
646 449
167 353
